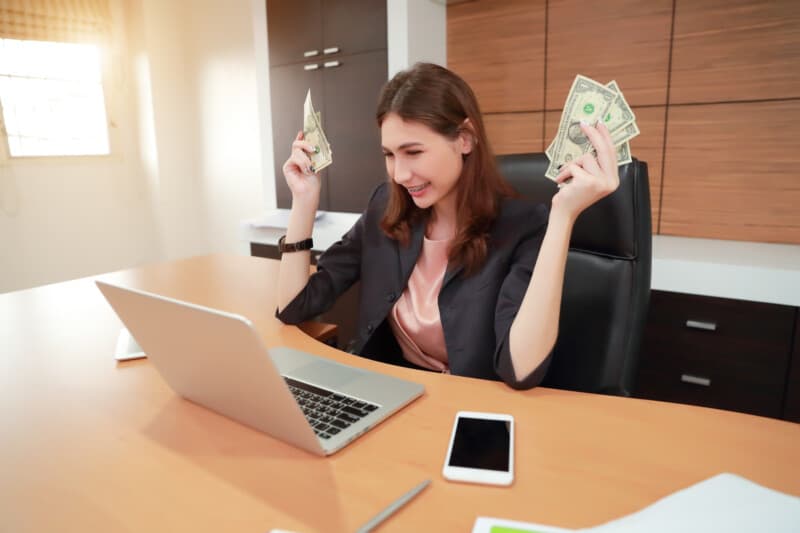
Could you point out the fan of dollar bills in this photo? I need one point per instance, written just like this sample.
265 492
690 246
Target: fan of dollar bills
312 133
590 101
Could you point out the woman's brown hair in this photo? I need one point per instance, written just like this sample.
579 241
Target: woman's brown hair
440 99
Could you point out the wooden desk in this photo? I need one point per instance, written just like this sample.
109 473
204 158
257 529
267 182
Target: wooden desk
88 444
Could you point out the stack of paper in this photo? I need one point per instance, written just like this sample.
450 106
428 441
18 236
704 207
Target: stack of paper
725 503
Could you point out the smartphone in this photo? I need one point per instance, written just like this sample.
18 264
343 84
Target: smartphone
127 347
481 449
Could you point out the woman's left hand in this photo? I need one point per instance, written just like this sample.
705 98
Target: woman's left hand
590 178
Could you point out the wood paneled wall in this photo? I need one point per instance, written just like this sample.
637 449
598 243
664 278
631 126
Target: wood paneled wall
715 86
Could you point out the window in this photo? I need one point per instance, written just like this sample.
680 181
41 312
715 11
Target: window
51 94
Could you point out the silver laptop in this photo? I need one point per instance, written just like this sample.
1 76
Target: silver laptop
218 360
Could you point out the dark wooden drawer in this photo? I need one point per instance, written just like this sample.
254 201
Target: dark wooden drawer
716 352
791 407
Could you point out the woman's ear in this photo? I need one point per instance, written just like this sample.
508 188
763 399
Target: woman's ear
466 137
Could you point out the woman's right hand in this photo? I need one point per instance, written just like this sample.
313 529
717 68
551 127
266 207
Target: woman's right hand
302 181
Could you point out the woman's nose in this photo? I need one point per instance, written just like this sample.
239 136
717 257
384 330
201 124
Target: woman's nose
402 171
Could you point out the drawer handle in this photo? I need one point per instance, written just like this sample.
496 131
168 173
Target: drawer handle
310 53
330 64
696 324
695 380
331 50
312 66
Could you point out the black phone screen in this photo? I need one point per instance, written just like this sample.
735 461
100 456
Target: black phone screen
481 443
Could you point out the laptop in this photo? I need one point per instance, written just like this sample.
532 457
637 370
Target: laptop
218 360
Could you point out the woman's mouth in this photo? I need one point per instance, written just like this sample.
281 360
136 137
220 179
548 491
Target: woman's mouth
418 190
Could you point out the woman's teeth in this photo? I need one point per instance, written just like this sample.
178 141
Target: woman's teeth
417 188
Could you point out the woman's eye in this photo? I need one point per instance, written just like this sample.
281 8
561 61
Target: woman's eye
414 152
388 155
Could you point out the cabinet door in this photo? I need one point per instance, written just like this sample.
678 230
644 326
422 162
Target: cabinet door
353 26
791 409
351 95
716 352
288 87
294 28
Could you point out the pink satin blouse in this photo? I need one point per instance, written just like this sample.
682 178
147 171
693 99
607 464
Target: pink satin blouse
415 316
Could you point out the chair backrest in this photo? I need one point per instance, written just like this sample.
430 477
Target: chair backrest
607 280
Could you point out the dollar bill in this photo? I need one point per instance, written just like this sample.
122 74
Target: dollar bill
588 101
620 113
624 153
312 133
620 120
624 134
617 115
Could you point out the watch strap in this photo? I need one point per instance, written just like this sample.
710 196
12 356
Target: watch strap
286 247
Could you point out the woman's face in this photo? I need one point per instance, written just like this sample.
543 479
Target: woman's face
426 163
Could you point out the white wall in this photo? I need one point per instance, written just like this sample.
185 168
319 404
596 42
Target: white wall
193 143
187 163
416 31
207 173
65 218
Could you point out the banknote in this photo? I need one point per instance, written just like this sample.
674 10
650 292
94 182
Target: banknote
624 134
620 113
585 99
312 133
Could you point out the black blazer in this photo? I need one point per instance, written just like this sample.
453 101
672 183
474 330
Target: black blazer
476 311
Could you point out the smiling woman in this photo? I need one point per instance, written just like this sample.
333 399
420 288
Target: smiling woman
457 274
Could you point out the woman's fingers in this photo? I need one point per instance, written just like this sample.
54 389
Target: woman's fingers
606 154
305 146
588 162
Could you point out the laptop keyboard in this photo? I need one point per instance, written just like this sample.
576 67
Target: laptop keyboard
328 412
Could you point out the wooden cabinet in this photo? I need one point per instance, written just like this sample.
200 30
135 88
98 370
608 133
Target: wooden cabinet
515 133
716 352
728 172
735 50
498 48
714 84
308 30
336 48
626 40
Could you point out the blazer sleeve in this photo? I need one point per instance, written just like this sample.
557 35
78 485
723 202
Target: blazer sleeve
337 269
509 300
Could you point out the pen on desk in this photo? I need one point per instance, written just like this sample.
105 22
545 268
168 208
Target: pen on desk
392 508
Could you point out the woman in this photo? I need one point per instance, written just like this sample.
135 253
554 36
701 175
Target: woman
457 275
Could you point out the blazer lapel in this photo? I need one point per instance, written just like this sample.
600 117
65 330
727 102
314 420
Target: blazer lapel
409 254
452 272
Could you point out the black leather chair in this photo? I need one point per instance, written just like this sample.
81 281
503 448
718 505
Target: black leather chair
607 280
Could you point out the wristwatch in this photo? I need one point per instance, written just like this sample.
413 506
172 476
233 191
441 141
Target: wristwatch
284 247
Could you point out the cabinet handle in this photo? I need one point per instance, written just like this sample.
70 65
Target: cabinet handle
695 380
331 64
331 50
696 324
312 66
310 53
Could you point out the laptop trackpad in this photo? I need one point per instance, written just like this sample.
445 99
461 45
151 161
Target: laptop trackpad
326 374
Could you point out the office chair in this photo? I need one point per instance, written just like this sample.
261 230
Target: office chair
607 280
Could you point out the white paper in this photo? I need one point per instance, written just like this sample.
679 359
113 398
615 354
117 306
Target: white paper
725 503
485 524
278 218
